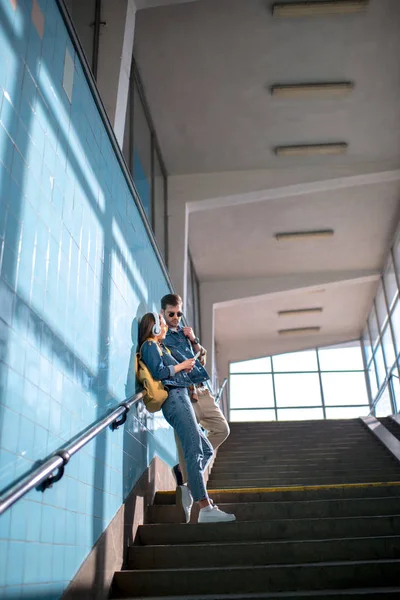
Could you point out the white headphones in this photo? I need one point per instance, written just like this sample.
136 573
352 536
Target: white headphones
157 324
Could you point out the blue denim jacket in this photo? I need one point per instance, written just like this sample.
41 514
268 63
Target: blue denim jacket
162 367
181 349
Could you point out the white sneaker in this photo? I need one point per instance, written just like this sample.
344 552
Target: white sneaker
212 514
184 498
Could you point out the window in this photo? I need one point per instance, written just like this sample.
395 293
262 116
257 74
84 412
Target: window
252 415
380 365
343 358
295 361
388 347
300 414
253 391
144 160
383 407
381 307
344 388
373 327
159 204
257 365
289 385
390 282
367 344
395 317
297 389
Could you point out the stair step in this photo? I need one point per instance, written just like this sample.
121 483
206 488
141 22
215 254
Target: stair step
227 483
236 472
373 490
279 529
275 578
261 511
262 553
352 594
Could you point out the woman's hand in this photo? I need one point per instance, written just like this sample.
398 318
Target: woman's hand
186 365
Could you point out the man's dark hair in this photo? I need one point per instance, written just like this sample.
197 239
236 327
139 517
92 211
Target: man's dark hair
170 300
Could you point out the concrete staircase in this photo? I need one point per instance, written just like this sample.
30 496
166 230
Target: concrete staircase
318 516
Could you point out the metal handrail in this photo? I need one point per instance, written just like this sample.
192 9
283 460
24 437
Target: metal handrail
51 470
221 389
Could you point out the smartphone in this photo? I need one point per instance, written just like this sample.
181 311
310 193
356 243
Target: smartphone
197 354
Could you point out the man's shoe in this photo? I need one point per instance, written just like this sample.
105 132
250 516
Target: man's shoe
184 498
212 514
177 475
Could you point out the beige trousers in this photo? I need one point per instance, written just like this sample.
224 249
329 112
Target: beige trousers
210 417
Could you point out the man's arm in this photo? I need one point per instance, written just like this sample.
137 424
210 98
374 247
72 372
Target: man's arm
197 347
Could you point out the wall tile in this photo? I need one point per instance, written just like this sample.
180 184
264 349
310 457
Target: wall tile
66 214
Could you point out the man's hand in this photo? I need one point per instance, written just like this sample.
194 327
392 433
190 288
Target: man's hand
188 331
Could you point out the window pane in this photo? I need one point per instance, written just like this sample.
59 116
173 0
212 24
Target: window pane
141 153
250 391
395 317
396 254
372 379
384 407
388 348
367 345
296 361
344 388
300 414
381 307
257 365
346 357
159 204
373 327
380 365
189 306
252 415
301 389
348 412
396 391
389 279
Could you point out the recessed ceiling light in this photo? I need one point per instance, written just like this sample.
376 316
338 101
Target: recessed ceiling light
316 9
300 311
302 235
307 90
312 149
298 330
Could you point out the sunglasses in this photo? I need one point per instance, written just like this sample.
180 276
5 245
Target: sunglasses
178 314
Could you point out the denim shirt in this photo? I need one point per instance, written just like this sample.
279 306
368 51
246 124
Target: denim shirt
161 366
181 349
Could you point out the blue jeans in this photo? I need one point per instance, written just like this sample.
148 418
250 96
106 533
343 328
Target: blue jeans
178 412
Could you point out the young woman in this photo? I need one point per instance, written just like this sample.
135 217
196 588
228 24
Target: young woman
179 413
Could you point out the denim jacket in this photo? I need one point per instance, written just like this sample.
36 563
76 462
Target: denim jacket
181 349
161 366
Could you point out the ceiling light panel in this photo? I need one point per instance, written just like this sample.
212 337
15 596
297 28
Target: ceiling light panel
300 311
312 149
304 235
311 90
317 9
298 330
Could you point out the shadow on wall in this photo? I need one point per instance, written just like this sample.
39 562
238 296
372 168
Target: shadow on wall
69 230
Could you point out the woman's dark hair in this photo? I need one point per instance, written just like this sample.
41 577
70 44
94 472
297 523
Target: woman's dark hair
170 300
146 325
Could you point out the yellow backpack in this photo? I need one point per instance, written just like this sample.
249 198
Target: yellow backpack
154 392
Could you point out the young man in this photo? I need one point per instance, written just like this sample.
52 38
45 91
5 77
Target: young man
183 344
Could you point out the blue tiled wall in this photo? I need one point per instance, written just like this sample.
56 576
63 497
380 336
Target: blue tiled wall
77 269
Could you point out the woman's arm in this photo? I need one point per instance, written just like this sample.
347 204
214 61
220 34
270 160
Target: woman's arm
153 360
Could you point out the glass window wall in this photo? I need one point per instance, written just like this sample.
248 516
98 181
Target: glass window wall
313 384
382 360
145 162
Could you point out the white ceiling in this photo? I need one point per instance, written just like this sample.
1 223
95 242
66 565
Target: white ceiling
242 237
207 68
